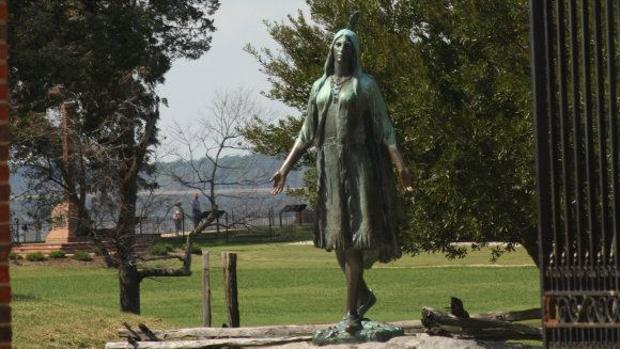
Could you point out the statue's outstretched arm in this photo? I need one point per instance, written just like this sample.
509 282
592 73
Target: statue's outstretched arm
279 178
403 171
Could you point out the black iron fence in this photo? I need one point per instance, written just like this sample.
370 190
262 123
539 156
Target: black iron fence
574 71
270 222
28 231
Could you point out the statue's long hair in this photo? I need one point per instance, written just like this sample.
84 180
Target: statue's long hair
349 32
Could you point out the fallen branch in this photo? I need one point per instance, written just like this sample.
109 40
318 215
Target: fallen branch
442 323
457 309
186 269
209 343
148 333
131 334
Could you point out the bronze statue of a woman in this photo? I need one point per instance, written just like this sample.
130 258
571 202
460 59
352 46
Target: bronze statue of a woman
358 211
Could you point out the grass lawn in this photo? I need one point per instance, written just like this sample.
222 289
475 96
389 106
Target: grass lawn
279 283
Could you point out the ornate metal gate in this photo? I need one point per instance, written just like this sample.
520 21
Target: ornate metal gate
574 70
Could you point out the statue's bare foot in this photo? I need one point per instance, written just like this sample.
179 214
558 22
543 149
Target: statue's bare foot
351 323
366 303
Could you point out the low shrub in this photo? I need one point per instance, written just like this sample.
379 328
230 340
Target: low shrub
58 254
161 249
14 256
36 257
82 256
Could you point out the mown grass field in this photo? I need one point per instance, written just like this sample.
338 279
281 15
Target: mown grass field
279 283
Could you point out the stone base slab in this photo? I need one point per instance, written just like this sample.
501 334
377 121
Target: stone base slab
418 341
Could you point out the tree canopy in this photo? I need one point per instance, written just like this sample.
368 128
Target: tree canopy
95 66
455 77
107 55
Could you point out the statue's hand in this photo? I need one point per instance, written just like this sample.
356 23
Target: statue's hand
406 179
278 179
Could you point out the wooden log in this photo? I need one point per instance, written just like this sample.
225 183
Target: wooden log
442 323
457 309
209 343
131 334
521 315
229 263
410 327
206 291
148 333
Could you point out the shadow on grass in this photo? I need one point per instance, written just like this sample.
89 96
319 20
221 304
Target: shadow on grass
246 237
24 297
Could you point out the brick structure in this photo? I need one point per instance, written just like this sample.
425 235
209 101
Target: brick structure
5 289
64 224
65 215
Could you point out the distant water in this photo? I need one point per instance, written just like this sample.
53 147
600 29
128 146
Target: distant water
249 197
255 202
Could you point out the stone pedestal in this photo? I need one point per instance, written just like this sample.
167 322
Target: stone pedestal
419 341
63 224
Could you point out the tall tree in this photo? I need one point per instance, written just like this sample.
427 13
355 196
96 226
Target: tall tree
456 82
104 59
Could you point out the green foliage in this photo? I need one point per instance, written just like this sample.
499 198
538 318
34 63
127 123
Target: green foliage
98 64
161 249
455 77
58 254
36 257
274 139
108 58
82 256
14 256
92 44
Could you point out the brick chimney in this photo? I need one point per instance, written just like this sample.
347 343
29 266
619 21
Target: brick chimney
67 130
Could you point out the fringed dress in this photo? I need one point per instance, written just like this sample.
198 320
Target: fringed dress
357 198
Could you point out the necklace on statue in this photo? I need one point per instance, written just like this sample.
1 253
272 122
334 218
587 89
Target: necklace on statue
337 83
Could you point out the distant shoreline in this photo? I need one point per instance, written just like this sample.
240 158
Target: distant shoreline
218 191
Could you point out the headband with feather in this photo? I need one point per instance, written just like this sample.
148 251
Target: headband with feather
353 21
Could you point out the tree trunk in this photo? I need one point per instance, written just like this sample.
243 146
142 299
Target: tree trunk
530 243
129 284
129 276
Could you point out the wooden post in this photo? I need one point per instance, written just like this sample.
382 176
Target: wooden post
229 264
206 291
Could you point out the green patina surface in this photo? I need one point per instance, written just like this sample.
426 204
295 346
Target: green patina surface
357 199
372 331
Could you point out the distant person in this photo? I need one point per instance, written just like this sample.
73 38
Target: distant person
177 216
196 211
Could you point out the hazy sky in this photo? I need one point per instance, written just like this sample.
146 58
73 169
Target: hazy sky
190 85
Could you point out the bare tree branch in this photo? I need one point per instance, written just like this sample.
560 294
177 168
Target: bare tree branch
218 135
186 269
